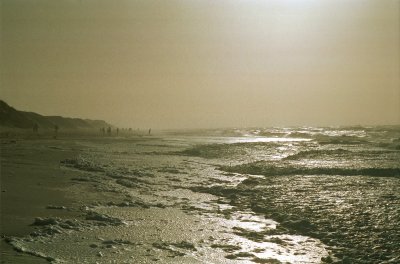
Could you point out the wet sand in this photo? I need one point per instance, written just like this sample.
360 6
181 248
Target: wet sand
34 184
197 199
140 205
31 180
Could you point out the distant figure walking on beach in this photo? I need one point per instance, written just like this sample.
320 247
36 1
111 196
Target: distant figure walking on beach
149 131
55 131
35 128
109 131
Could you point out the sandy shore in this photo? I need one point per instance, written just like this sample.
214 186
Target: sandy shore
34 185
31 180
182 199
130 201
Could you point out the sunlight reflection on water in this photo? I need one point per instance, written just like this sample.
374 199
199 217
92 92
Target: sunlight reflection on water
265 139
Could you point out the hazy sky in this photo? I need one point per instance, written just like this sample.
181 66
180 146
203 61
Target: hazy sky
204 63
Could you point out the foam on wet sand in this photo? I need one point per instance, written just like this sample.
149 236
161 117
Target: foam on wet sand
161 200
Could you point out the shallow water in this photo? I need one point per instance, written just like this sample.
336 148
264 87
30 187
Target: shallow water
280 195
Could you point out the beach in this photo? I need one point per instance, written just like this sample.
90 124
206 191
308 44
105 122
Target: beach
31 180
210 132
220 196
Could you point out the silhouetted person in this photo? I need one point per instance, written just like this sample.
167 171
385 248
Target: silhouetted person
149 131
55 131
109 131
35 128
117 131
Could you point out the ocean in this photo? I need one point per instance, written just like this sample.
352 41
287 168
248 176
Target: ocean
255 195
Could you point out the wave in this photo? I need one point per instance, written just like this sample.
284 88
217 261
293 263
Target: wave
286 169
300 135
224 150
317 153
394 145
340 154
271 134
340 140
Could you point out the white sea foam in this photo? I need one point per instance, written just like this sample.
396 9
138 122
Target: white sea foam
190 198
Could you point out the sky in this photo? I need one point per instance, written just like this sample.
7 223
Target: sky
204 63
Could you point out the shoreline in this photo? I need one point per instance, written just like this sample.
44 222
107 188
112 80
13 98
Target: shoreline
141 205
35 184
122 196
31 180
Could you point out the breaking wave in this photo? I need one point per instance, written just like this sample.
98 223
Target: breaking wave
317 153
340 140
283 168
340 154
225 150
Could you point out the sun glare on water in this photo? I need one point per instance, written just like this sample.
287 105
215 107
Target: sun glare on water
265 139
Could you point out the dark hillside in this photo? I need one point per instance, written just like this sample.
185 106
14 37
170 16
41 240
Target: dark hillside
10 117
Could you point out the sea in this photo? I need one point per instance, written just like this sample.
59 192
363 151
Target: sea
238 195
